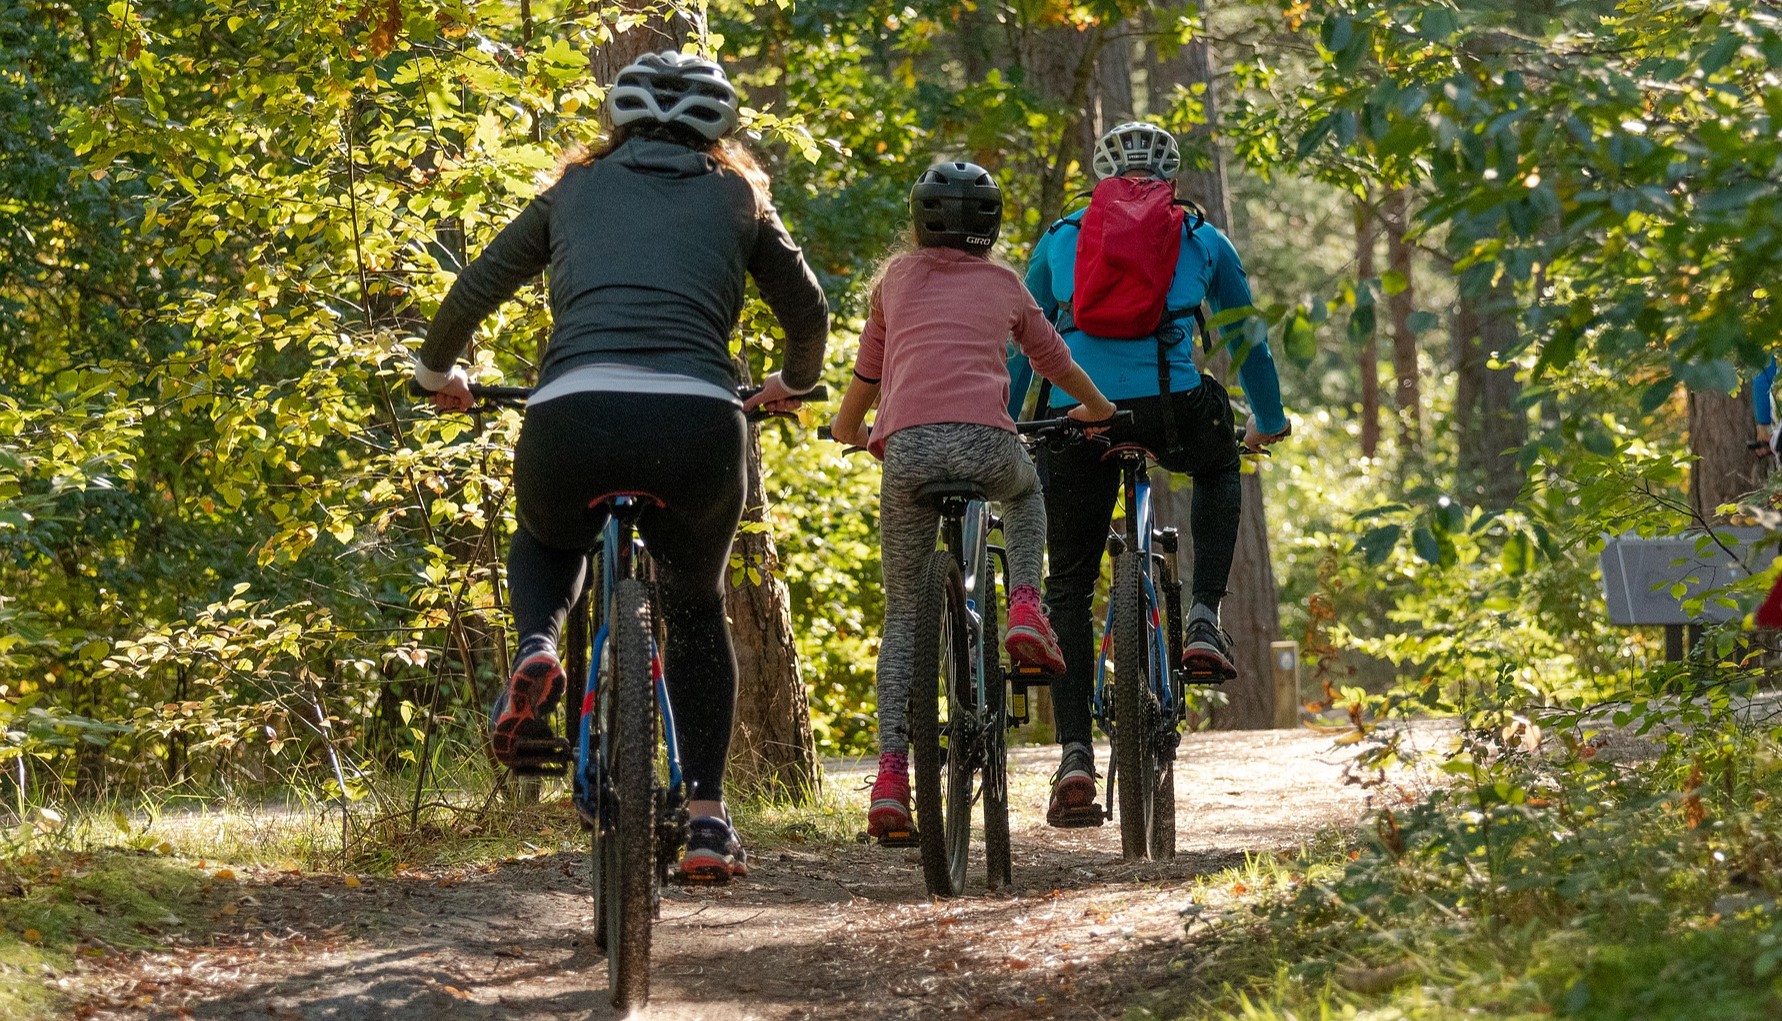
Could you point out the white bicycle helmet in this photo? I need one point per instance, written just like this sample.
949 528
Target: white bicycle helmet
1136 145
675 89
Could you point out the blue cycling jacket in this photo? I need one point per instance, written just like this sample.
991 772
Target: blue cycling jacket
1763 405
1207 269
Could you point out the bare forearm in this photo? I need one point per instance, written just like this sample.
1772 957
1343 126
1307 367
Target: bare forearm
850 418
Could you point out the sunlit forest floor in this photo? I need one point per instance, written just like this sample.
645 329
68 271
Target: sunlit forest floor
1593 882
825 927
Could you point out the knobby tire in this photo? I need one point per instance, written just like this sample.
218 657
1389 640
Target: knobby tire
941 667
633 852
998 867
1133 713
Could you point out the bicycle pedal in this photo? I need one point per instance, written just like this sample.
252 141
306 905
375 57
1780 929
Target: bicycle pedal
1203 675
900 838
540 757
1080 817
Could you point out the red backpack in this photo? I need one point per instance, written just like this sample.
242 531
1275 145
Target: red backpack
1127 244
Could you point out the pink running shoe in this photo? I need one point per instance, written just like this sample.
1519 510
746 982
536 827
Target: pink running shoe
888 820
1030 639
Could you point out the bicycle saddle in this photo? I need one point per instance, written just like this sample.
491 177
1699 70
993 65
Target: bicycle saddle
1122 449
964 489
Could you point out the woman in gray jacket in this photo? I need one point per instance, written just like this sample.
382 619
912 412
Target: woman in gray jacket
648 241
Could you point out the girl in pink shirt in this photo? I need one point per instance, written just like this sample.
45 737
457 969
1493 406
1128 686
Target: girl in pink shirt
933 356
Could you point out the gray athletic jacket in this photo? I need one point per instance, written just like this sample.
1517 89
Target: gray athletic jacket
647 250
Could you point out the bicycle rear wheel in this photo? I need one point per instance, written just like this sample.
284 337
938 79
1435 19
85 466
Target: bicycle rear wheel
1163 814
942 759
628 857
998 869
1134 708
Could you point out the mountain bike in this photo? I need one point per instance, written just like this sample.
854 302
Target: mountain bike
1140 705
960 690
624 764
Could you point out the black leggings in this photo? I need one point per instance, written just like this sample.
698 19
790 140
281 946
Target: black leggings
686 452
1081 488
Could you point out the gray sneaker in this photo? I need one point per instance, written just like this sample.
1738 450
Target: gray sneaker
1073 790
1207 654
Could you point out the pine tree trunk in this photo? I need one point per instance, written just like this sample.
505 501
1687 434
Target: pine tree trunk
1719 427
1408 392
771 745
650 35
1491 426
1250 612
1369 355
1113 83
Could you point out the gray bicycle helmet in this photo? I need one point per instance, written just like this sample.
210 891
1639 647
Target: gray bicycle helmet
956 205
675 89
1136 145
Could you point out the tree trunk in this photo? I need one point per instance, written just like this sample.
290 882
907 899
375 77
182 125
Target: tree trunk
1491 426
1061 62
1408 393
650 35
771 746
1250 612
1724 470
1370 346
1113 82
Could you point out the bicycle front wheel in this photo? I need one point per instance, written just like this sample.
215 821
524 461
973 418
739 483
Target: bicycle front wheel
630 856
1134 708
938 747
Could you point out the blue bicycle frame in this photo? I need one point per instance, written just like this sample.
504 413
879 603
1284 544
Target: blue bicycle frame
621 555
1162 676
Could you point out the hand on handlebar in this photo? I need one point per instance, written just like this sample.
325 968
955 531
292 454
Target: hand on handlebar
455 394
1095 420
858 436
1255 439
774 397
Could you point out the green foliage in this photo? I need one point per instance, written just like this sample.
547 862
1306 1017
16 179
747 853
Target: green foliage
1569 886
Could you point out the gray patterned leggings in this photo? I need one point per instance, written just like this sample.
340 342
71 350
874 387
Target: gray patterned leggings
991 457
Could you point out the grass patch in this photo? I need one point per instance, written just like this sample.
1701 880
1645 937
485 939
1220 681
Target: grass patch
1527 890
56 907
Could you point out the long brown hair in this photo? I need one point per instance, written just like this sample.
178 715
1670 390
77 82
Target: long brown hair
731 155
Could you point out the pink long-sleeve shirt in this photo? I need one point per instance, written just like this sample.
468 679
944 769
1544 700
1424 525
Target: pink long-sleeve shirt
936 341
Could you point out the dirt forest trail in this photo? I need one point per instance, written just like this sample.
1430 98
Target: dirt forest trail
816 933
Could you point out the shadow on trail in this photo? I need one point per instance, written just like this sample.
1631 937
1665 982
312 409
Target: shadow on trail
810 934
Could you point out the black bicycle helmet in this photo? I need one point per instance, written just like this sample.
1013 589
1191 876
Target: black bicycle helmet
679 90
956 205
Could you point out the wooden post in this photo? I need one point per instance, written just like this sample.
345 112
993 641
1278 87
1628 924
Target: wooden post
1284 657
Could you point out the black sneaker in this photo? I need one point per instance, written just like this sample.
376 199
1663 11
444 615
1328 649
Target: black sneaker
714 852
1073 790
1207 655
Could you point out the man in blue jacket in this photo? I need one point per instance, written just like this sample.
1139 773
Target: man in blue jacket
1189 428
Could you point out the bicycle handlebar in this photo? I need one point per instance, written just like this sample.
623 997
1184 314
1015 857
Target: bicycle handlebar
515 396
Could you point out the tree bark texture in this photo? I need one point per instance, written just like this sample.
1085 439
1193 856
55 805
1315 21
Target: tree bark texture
1488 416
1250 612
1408 392
1061 62
1113 83
771 745
1724 470
653 34
1369 354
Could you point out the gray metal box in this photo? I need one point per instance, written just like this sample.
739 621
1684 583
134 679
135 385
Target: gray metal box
1639 573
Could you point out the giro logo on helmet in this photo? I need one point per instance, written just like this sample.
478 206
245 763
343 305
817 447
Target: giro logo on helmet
956 205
